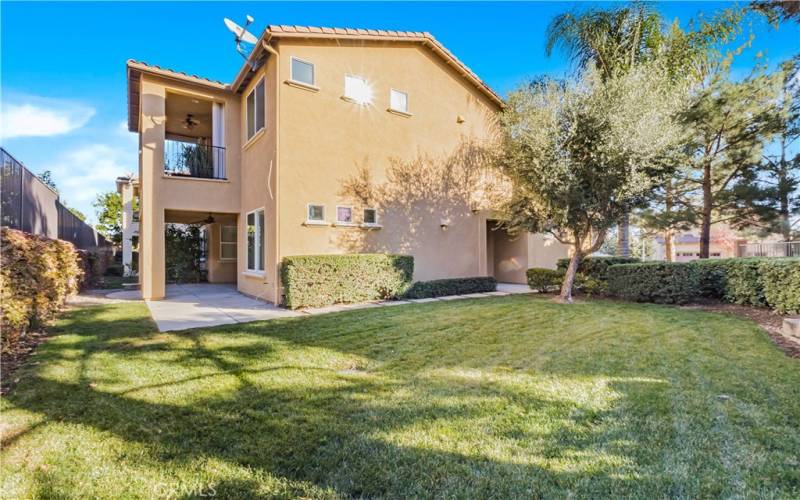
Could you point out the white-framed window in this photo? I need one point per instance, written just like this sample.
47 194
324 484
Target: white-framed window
344 215
255 240
356 89
316 213
302 71
255 110
398 101
227 243
370 217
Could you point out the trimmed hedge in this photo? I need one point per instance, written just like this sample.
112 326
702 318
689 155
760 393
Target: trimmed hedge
451 286
594 270
660 282
37 275
323 280
757 281
544 280
780 280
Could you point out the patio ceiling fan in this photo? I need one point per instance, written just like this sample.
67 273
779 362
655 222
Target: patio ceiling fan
189 122
208 220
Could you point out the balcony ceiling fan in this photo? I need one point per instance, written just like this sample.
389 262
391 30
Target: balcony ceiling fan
189 122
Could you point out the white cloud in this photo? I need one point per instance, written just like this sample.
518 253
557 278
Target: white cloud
84 172
40 117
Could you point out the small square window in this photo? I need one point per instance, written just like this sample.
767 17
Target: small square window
302 71
356 89
370 216
316 213
344 215
398 101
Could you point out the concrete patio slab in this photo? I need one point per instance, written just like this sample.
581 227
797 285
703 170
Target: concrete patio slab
203 305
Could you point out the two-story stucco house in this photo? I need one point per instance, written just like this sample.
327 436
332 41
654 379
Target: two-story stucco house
269 160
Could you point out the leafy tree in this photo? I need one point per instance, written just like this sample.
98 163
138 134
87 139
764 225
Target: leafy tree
778 11
108 207
581 154
772 195
613 40
184 250
47 178
728 123
670 210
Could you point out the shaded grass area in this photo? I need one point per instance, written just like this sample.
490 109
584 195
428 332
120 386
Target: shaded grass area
502 397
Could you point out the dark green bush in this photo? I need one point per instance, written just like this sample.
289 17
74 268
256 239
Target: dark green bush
712 274
322 280
544 280
780 279
660 282
451 286
595 269
742 282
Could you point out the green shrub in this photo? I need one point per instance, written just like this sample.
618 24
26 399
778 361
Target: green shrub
742 282
37 275
322 280
595 270
712 274
660 282
780 280
544 280
451 286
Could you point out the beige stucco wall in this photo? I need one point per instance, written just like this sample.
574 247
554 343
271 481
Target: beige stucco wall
259 170
325 140
219 270
160 193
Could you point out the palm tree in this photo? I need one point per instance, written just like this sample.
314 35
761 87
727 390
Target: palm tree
613 40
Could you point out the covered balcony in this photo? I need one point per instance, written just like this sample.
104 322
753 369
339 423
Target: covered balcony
194 143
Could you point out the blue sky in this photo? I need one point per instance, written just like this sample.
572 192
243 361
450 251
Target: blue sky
62 65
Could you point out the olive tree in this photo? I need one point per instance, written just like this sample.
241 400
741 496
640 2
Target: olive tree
582 153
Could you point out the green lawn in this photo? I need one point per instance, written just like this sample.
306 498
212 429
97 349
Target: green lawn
503 397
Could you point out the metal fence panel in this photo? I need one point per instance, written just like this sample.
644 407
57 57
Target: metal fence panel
27 204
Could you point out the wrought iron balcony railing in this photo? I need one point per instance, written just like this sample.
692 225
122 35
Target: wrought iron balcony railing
186 159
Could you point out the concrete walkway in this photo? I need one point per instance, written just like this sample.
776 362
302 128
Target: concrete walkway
205 304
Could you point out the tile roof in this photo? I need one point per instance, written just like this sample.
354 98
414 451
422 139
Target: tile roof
135 68
370 34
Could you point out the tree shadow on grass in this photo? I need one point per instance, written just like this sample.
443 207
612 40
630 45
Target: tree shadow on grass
324 430
468 424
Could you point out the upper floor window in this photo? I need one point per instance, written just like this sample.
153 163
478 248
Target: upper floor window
302 71
256 112
356 89
398 101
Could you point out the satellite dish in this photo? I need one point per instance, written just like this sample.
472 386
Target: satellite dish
242 36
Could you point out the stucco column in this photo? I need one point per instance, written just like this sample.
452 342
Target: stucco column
151 225
127 228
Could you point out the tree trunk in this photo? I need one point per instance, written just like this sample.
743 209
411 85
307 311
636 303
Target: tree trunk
705 226
669 244
569 277
669 234
623 237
